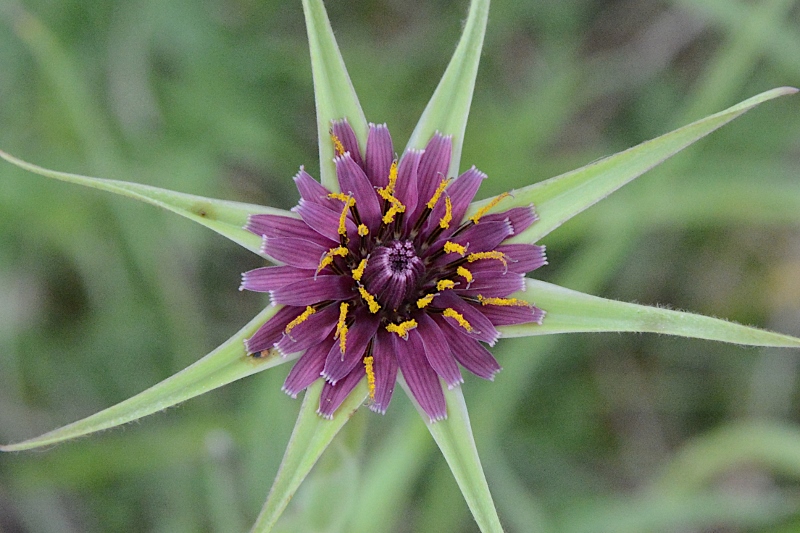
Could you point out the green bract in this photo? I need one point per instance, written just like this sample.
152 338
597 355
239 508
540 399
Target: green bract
556 201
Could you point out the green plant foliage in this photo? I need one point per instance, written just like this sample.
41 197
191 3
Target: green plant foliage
101 299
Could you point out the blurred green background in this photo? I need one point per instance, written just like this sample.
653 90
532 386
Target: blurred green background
101 297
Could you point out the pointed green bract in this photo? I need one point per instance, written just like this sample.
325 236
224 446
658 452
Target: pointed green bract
333 91
561 198
454 437
448 108
227 363
225 217
311 436
570 311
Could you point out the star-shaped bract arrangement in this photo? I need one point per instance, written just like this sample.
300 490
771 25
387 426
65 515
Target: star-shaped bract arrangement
388 257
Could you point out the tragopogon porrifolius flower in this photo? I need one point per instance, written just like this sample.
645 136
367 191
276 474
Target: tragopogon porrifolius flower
389 273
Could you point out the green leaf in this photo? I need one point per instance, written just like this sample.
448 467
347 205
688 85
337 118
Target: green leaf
455 440
448 108
561 198
333 90
225 364
570 311
225 217
311 436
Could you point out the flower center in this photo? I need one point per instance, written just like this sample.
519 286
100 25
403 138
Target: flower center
393 273
400 257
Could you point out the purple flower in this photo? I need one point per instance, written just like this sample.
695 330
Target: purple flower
388 275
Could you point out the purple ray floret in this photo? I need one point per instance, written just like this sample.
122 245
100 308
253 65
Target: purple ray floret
388 275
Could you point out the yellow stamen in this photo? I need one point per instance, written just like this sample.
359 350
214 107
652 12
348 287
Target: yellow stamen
424 301
340 196
402 328
500 256
453 248
343 221
464 273
392 177
327 259
437 193
444 284
508 302
387 193
485 209
300 319
397 207
349 202
338 147
363 230
358 272
458 317
341 327
370 370
373 304
444 223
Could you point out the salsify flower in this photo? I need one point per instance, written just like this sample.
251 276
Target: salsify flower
389 274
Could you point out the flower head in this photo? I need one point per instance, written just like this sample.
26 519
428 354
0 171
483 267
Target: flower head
388 275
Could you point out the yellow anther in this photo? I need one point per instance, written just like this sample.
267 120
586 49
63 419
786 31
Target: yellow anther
439 190
424 301
508 302
402 328
341 327
349 202
444 222
397 207
373 304
358 272
327 259
387 193
370 370
464 273
453 248
458 317
485 209
500 256
346 198
338 147
444 284
363 230
343 221
300 319
392 178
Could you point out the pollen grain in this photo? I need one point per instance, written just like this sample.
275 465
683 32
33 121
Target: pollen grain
402 328
300 319
438 193
454 248
485 209
341 327
373 304
458 317
358 272
338 147
506 302
370 371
